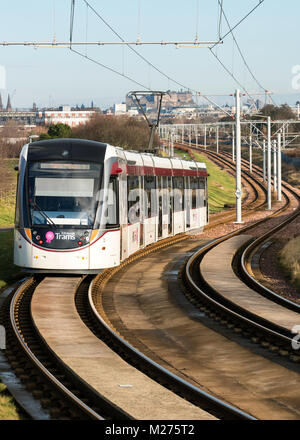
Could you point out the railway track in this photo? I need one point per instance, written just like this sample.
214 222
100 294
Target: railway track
207 299
63 392
252 252
60 391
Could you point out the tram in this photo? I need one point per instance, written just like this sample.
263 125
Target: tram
83 206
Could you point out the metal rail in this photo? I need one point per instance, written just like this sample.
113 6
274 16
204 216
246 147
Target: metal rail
223 306
84 402
175 380
17 329
250 249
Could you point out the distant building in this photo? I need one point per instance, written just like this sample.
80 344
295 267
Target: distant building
108 111
8 106
22 118
170 100
184 110
64 108
133 112
1 105
64 116
175 99
120 109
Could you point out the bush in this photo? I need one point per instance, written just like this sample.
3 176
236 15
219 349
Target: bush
122 131
8 150
57 131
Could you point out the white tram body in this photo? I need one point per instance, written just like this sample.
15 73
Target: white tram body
83 206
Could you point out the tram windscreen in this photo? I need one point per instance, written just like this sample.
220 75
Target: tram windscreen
63 193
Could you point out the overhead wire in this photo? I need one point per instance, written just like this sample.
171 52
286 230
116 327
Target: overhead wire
233 76
139 21
197 20
239 49
222 63
240 21
220 19
72 21
149 62
54 21
158 69
109 68
86 28
242 56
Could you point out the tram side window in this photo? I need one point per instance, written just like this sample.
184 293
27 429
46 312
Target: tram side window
112 202
202 191
133 198
165 194
194 188
149 186
178 193
201 183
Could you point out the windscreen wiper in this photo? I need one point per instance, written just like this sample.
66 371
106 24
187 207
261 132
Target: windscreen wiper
46 216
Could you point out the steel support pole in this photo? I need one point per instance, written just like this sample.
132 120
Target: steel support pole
205 137
279 166
182 135
233 145
238 192
217 139
250 153
196 135
275 167
264 160
172 145
269 165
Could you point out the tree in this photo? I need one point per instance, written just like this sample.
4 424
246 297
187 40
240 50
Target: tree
59 131
277 113
123 131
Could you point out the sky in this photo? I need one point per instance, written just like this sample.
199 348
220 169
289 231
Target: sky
269 39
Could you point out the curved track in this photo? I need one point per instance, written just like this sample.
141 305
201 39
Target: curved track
66 395
60 391
253 325
63 392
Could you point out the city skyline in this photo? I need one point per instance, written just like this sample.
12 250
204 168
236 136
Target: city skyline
52 77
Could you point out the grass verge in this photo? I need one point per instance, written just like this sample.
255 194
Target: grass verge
8 178
221 186
8 274
8 409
